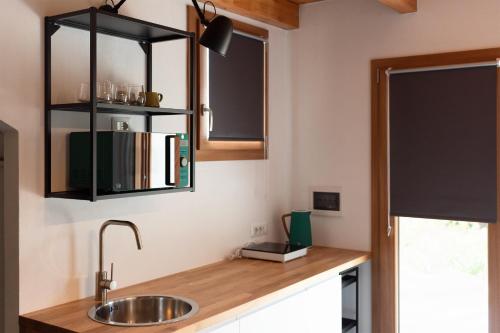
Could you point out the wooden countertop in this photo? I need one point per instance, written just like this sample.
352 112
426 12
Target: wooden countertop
222 290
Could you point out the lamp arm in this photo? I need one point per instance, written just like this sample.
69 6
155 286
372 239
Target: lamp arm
200 13
119 4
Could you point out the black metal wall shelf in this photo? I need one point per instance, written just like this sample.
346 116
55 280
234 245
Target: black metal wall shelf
146 34
120 109
119 26
84 195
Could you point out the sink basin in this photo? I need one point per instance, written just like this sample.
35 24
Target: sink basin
144 311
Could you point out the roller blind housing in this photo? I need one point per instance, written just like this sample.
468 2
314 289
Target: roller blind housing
442 144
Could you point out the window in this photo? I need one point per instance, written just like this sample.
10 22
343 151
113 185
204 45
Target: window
418 151
443 276
232 96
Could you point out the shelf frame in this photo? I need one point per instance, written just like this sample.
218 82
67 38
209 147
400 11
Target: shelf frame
119 109
146 34
74 20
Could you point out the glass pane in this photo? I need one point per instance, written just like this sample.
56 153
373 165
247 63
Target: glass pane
236 91
443 277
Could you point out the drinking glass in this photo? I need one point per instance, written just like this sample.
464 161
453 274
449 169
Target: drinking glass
136 95
100 92
121 96
105 91
84 95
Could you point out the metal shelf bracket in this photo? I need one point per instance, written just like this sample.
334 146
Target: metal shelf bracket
52 28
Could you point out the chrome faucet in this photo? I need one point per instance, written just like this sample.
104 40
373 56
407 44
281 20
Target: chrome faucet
103 284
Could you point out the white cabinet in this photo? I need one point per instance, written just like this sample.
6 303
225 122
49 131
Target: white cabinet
288 315
316 309
232 327
324 306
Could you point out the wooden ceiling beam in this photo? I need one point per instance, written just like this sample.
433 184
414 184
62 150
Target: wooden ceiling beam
401 6
281 13
303 2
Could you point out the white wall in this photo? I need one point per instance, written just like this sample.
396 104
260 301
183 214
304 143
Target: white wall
331 93
325 86
58 238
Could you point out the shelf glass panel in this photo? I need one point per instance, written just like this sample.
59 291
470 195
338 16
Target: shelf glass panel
85 195
120 109
116 195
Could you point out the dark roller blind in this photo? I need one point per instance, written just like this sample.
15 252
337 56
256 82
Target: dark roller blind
443 144
236 91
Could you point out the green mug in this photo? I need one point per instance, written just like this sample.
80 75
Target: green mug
300 228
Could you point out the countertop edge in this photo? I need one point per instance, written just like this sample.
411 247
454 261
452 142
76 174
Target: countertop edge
33 324
268 299
28 321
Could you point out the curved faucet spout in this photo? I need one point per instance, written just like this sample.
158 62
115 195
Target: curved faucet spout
120 223
103 284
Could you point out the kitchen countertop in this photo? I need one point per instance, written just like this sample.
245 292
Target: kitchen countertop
223 291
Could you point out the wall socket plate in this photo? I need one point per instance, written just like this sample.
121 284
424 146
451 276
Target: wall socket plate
326 200
258 229
120 124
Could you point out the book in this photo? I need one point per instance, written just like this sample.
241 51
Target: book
274 251
173 172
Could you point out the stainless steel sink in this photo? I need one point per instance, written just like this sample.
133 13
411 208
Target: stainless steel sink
144 311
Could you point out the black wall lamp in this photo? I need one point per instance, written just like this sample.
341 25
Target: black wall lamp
112 8
219 31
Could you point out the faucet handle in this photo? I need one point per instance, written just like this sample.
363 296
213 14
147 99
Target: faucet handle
110 284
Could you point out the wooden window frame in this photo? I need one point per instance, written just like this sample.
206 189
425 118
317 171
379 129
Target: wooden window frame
385 307
227 150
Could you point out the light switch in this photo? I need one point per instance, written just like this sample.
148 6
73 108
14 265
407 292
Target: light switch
326 200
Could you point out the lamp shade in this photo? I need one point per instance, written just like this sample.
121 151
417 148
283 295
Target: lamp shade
218 34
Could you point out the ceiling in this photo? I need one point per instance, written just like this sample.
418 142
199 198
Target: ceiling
286 14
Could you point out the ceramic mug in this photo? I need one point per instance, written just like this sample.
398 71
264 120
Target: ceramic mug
153 99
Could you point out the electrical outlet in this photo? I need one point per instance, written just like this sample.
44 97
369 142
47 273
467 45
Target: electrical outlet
121 124
258 230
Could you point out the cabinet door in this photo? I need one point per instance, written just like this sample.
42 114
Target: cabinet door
324 306
288 315
232 327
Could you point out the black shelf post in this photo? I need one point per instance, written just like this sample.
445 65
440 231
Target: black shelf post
148 50
193 105
48 93
93 102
